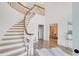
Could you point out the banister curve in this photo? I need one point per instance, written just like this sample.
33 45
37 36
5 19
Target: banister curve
25 20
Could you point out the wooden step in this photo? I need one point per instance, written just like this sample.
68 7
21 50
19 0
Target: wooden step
11 46
20 24
13 38
17 53
17 26
10 49
22 29
15 31
21 21
13 34
16 36
9 42
13 52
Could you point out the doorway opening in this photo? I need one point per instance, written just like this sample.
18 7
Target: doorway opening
40 32
53 35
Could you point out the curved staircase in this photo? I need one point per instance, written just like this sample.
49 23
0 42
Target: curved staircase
13 41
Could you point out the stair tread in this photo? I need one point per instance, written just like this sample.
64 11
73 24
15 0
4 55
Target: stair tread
15 31
13 51
6 50
9 41
12 38
11 46
19 23
16 28
12 34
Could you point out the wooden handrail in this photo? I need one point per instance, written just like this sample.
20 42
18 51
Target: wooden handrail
22 5
27 14
29 8
25 19
39 6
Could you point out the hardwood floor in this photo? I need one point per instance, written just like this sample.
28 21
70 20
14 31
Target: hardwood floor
41 44
46 44
52 43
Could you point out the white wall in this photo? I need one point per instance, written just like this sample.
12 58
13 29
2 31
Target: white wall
33 25
75 25
8 17
59 13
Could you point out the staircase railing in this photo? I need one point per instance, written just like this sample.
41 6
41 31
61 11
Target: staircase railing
28 46
23 9
17 6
